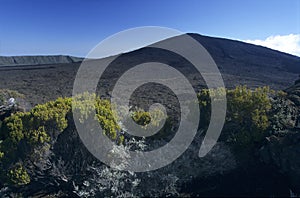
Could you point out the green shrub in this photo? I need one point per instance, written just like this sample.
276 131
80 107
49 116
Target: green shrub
14 127
21 132
30 130
18 175
87 105
247 112
141 117
249 107
151 118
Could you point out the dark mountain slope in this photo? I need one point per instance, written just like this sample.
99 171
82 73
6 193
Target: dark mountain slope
251 64
239 63
250 55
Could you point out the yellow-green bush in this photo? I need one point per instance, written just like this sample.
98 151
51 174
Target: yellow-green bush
141 117
88 105
14 126
18 175
249 107
247 112
144 118
153 118
53 112
205 96
34 128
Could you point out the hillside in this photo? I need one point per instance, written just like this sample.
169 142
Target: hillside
251 63
239 63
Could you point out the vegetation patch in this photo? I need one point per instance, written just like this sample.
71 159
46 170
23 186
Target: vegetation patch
247 123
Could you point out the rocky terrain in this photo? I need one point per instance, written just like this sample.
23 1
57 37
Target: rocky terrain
268 166
239 63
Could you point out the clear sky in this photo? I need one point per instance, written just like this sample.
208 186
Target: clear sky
74 27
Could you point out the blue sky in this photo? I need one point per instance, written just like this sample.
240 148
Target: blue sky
74 27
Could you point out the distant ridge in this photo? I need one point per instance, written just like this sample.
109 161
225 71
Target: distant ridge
37 60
